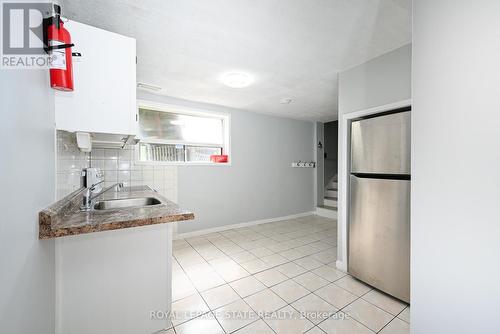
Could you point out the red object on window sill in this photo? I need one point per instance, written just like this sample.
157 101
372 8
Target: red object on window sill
219 158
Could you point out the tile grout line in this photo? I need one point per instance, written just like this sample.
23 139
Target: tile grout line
396 316
223 237
228 283
354 319
340 310
199 292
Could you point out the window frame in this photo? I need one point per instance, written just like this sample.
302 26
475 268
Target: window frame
184 110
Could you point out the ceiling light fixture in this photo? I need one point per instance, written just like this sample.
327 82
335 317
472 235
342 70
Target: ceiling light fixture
286 101
148 87
237 79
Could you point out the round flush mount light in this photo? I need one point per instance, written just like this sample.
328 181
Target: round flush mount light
286 101
237 79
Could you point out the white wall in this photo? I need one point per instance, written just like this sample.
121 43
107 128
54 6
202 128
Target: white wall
27 178
455 162
382 81
260 182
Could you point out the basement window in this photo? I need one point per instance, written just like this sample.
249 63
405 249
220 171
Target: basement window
173 135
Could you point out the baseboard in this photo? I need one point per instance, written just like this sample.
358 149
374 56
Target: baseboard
341 265
246 224
327 213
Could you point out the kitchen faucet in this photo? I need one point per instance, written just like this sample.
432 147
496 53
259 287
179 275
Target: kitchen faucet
88 198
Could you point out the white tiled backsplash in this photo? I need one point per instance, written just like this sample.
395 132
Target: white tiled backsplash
70 162
118 165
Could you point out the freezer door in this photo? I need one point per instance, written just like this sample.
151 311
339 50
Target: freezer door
381 145
379 234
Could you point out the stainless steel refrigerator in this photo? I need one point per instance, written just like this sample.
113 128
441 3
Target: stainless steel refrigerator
379 206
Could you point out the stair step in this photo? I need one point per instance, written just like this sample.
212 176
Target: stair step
331 193
330 201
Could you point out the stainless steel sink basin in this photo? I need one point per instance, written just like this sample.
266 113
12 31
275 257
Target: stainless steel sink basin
126 203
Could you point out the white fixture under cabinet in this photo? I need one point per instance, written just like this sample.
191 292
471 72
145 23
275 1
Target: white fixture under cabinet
86 141
104 98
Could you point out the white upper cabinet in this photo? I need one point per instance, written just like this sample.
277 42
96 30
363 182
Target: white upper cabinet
104 96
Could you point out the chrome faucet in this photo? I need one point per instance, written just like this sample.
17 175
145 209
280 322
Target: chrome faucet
88 197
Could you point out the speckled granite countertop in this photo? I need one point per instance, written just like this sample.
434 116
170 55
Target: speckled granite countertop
64 217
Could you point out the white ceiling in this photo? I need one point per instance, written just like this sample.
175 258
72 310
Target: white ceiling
294 48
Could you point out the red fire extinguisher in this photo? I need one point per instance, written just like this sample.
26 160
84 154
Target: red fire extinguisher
58 46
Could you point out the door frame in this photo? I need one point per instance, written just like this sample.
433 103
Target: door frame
343 173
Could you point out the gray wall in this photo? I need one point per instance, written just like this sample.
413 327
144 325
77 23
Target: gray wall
331 134
455 161
28 185
380 81
260 183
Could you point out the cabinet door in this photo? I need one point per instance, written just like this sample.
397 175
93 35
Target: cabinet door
104 98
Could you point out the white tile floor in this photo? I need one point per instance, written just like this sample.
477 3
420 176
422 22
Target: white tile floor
275 278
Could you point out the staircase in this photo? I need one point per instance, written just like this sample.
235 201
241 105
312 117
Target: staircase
331 191
329 207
